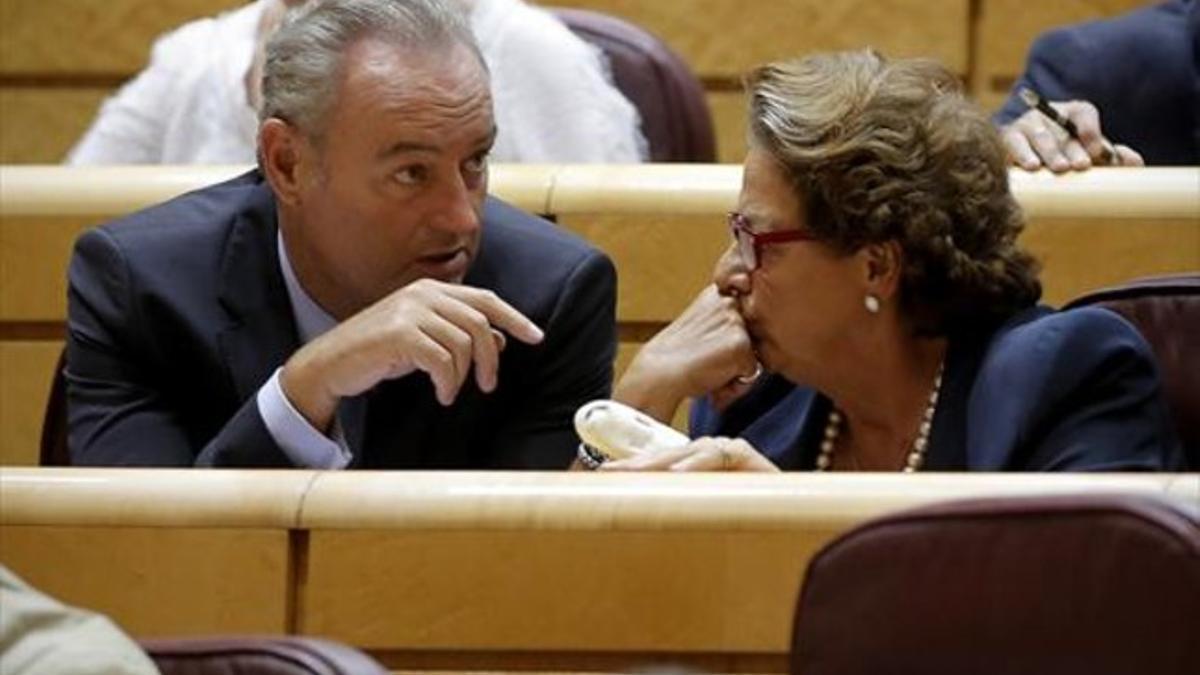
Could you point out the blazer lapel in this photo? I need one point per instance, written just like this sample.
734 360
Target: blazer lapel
251 288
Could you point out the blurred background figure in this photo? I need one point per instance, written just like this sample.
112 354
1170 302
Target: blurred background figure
1133 79
196 102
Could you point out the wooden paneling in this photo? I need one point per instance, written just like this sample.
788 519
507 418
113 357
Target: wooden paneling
41 125
719 592
1005 29
28 368
663 262
159 582
1082 255
729 122
470 571
73 37
725 38
33 265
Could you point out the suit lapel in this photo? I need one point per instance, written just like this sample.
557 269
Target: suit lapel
251 288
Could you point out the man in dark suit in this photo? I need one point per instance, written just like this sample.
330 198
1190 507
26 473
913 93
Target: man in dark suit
357 300
1134 78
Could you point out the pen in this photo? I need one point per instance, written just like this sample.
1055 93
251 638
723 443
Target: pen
1033 100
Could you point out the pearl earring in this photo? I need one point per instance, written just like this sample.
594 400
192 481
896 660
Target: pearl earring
871 303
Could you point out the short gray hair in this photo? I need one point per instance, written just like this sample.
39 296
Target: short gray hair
303 58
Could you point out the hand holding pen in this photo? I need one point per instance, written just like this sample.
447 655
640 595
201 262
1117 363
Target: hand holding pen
1062 136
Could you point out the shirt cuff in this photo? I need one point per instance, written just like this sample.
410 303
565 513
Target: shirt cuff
298 439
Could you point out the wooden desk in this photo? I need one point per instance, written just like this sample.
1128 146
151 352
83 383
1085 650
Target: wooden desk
164 553
470 570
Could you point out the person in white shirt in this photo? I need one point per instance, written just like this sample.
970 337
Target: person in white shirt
196 101
41 636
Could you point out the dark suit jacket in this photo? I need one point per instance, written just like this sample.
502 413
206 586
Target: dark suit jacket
179 313
1067 391
1141 69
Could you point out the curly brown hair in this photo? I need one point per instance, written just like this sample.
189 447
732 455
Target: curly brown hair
884 150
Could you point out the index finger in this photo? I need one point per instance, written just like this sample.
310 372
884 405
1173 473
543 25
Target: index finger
1087 122
499 313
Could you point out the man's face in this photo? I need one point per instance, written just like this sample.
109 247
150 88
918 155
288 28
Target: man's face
400 175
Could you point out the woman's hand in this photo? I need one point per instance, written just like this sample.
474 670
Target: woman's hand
702 454
704 351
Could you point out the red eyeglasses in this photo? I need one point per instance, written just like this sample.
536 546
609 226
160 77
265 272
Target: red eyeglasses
750 243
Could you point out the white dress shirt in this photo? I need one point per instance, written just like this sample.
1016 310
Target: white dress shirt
300 441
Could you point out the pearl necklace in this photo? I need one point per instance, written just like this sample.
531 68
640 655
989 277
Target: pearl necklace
916 456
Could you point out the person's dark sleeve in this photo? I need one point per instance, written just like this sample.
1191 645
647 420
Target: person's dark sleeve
1059 67
119 410
576 366
1101 406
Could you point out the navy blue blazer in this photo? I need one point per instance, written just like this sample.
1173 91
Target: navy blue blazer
179 313
1141 69
1066 391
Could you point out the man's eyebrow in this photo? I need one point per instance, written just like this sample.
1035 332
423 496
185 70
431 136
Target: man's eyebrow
401 147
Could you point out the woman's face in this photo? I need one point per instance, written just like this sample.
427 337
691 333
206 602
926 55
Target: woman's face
804 300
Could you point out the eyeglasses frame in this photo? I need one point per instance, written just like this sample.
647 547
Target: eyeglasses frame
739 225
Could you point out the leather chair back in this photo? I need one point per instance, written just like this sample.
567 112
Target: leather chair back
1166 311
1046 585
675 117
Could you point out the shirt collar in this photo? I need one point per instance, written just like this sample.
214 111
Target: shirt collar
311 320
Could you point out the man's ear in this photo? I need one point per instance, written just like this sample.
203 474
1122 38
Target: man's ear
883 266
282 155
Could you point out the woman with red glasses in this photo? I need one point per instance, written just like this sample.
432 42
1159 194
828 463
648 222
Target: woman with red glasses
874 311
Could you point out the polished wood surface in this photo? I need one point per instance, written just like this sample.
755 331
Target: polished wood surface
567 190
509 500
159 582
98 37
470 570
55 191
28 368
148 498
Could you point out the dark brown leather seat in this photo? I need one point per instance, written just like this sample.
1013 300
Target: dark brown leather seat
1166 311
675 117
259 656
1049 585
